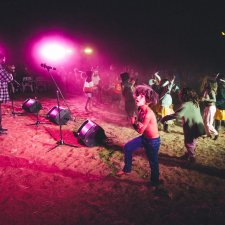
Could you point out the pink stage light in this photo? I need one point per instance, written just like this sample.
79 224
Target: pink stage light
54 50
69 51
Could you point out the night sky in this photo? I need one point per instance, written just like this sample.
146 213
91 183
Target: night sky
171 33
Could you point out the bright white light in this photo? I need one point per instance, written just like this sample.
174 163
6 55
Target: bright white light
69 51
88 51
53 52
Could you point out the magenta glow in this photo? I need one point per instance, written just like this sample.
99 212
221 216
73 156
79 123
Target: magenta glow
54 50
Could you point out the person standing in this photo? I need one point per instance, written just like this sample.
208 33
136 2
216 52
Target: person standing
97 85
165 101
209 99
88 90
5 78
192 121
127 92
220 102
145 124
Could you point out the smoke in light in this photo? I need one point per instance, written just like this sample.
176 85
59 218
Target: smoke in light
54 50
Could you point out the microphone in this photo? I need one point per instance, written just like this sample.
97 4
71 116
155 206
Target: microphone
47 67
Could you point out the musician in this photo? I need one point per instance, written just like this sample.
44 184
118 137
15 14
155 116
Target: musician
5 78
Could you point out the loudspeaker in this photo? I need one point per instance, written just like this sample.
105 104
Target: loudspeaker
91 134
53 115
32 105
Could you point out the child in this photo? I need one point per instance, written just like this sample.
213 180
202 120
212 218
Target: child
88 89
165 101
220 102
146 125
127 93
193 126
116 93
209 99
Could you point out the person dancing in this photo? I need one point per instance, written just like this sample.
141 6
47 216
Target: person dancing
5 78
220 102
165 106
88 89
192 121
146 125
209 99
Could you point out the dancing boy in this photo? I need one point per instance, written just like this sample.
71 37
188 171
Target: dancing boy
146 125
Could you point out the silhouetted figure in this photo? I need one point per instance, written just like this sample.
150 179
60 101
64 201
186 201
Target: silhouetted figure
127 92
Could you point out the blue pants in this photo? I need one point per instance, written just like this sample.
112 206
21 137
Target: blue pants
151 146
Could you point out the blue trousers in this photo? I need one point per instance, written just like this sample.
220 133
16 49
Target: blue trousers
151 146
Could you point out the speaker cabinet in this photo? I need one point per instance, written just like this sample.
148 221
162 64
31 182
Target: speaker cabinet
53 115
91 134
31 105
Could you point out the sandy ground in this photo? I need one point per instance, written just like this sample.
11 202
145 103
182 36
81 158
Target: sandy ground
40 184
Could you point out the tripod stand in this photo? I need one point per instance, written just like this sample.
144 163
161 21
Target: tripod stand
61 141
37 120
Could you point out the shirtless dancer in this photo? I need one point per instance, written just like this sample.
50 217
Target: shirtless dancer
146 125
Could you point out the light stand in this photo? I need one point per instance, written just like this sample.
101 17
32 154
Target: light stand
61 141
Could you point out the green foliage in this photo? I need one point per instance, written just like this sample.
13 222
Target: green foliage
110 158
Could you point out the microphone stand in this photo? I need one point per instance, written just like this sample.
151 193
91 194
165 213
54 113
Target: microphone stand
12 97
61 141
48 68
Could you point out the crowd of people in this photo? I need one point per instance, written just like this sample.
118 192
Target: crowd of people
148 106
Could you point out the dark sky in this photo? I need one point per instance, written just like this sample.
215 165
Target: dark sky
169 32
